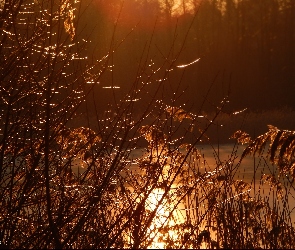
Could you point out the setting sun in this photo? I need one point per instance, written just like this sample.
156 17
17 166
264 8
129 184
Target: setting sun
147 13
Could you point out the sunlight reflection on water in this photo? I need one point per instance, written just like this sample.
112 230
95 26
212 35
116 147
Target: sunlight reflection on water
170 214
160 219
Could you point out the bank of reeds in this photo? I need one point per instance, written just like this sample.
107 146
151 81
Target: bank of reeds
107 191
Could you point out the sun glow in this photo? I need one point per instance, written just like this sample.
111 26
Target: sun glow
147 13
179 7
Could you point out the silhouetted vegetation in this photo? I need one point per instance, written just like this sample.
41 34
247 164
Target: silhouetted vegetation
131 174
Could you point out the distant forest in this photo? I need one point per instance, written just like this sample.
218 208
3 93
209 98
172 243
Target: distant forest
246 47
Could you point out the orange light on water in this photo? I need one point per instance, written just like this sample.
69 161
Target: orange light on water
163 217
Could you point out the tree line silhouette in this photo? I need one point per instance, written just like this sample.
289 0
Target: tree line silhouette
247 44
